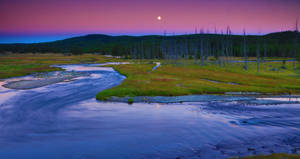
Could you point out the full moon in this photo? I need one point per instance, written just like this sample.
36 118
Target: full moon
159 18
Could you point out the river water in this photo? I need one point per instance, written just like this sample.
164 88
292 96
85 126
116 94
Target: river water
64 121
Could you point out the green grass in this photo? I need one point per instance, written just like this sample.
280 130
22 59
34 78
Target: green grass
22 64
173 80
167 80
273 156
9 70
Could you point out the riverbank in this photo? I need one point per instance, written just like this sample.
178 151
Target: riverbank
178 80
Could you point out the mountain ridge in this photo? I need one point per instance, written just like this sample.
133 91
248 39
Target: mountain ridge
119 45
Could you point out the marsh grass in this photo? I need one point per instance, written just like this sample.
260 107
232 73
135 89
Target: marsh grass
174 80
22 64
183 78
8 70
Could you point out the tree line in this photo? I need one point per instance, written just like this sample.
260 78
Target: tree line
198 46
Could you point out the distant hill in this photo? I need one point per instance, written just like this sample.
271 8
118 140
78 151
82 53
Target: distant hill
278 44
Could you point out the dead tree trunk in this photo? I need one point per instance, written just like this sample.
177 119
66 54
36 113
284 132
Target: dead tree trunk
265 55
227 45
222 61
245 51
295 45
201 52
257 54
142 52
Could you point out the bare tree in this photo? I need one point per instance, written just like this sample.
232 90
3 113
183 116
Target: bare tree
201 31
216 31
295 44
245 51
257 54
142 52
230 46
227 44
297 25
207 31
221 62
164 50
186 49
201 51
194 48
265 55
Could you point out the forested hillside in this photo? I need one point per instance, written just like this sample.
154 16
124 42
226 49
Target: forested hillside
281 44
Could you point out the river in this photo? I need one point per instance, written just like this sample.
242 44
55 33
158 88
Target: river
64 121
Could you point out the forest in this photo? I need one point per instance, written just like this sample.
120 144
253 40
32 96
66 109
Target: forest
193 46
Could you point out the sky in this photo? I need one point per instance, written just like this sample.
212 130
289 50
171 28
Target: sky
29 21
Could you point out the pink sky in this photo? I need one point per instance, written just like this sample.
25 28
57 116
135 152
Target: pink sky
136 17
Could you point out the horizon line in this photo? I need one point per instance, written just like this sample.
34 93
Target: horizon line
169 34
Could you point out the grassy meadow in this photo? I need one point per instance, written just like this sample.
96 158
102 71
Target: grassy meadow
188 78
22 64
183 78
